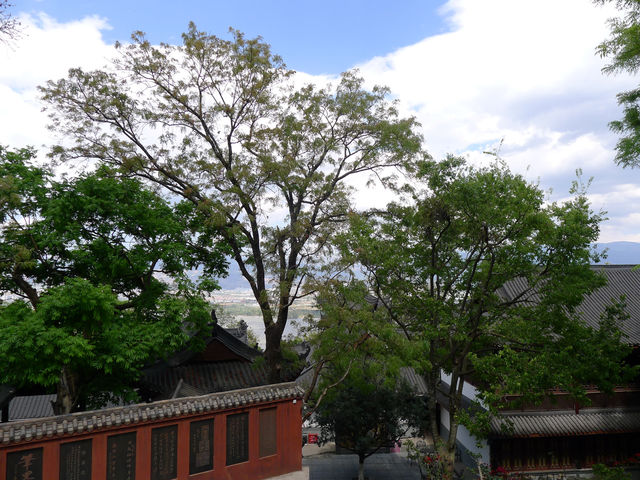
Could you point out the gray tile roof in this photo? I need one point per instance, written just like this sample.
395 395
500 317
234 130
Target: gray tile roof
416 381
221 335
183 389
561 423
235 344
26 430
31 406
621 280
208 377
240 332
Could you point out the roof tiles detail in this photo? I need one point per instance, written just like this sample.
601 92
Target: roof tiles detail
26 430
622 280
561 423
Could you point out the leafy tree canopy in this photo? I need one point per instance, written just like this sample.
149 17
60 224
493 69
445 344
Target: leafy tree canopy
623 49
102 263
221 124
484 280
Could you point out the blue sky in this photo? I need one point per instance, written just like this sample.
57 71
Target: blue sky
474 73
312 36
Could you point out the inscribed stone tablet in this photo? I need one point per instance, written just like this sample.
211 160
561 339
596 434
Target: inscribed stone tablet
25 464
237 438
121 457
164 453
75 460
267 437
201 446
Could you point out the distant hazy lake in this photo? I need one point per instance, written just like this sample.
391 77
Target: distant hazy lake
255 323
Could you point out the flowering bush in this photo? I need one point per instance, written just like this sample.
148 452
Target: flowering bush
431 464
434 466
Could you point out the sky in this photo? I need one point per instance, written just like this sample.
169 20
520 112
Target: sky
518 75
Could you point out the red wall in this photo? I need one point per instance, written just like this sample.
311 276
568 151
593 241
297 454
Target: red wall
287 459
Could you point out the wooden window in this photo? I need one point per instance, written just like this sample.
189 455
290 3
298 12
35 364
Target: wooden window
268 433
590 448
554 448
516 454
237 438
201 446
507 461
75 460
565 452
542 459
121 456
164 453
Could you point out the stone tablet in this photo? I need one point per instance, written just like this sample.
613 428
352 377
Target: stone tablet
25 464
121 457
201 446
237 438
75 460
164 453
268 436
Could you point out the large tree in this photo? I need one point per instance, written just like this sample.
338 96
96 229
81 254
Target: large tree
93 276
484 278
623 49
220 124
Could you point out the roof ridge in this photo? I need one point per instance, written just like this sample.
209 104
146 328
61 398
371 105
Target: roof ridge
614 265
583 411
25 430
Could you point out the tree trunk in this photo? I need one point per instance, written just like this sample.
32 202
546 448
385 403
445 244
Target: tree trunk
432 381
67 392
360 467
273 352
449 455
455 400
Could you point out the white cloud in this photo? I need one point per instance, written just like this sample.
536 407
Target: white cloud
46 51
624 229
505 65
525 72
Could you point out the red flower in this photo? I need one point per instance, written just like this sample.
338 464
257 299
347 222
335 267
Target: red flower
500 471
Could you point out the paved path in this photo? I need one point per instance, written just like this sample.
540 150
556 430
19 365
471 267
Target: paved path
379 466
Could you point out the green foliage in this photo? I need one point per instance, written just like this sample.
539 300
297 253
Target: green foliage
602 472
350 331
442 266
236 139
359 397
103 263
366 411
623 49
77 326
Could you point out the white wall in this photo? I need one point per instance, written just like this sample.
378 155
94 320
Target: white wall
465 438
468 390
